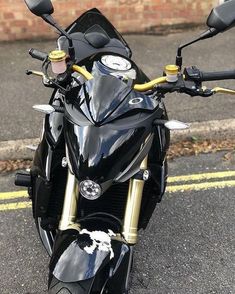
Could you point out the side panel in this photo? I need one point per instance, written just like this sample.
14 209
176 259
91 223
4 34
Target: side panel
155 187
49 177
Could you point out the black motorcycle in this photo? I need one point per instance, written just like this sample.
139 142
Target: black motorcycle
100 167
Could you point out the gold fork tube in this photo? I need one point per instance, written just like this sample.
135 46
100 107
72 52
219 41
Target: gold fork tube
132 213
69 213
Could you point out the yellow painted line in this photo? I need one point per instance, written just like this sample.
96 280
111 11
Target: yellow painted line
200 186
13 195
170 188
205 176
183 178
15 206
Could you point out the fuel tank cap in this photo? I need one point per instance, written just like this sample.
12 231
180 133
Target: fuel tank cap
116 62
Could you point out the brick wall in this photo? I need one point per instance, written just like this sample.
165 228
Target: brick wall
16 22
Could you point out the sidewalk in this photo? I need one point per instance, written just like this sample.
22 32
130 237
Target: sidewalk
19 92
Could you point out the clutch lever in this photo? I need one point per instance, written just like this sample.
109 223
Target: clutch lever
46 81
34 72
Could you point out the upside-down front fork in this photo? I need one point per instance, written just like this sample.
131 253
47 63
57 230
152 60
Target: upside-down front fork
132 212
69 213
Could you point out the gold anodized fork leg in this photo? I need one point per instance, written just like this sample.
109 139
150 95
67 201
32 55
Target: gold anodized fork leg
69 213
132 212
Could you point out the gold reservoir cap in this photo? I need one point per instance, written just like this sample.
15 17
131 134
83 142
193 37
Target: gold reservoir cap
171 69
57 55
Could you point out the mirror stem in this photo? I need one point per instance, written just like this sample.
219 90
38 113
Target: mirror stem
211 32
207 34
49 19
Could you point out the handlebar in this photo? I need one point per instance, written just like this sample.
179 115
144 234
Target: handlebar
138 87
82 71
189 82
181 86
38 54
150 85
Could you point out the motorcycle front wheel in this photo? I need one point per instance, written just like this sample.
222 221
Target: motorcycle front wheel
82 287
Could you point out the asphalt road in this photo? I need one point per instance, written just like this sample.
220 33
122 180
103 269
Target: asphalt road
19 92
188 247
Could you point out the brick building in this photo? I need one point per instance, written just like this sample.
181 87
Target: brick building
16 22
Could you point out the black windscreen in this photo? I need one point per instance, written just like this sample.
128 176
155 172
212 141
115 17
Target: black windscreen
94 16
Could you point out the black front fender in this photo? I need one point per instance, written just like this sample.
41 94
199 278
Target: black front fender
71 263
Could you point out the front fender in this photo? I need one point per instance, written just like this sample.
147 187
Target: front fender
71 263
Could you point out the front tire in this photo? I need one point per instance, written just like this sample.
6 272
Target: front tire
82 287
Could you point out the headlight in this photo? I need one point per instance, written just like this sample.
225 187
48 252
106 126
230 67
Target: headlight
90 190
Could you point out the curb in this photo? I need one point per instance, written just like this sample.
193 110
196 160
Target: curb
17 149
215 129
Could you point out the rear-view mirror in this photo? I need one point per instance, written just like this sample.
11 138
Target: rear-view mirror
222 17
40 7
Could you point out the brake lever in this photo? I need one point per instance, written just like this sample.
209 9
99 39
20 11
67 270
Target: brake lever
223 90
188 87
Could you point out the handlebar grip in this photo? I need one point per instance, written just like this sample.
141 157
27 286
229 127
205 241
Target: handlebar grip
194 74
38 54
215 76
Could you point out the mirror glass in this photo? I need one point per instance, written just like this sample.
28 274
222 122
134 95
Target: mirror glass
40 7
222 17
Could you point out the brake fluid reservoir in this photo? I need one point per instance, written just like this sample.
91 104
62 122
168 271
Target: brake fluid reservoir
171 71
58 61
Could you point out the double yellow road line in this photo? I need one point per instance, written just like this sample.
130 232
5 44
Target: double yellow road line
5 197
194 182
204 181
